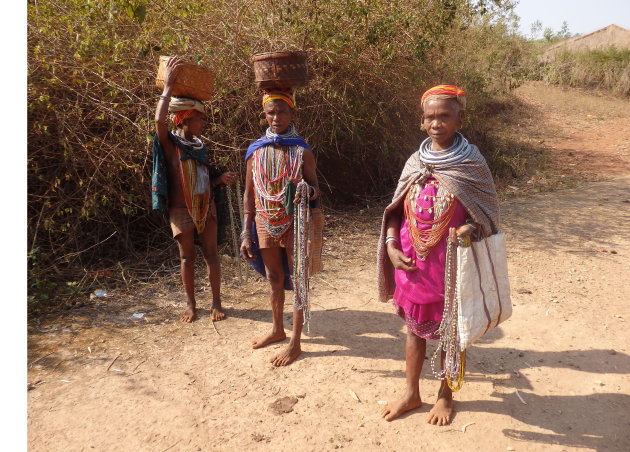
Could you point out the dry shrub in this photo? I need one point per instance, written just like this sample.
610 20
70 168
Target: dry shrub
91 100
606 69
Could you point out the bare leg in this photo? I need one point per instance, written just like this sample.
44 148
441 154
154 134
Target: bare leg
186 244
415 351
293 349
441 412
273 266
210 255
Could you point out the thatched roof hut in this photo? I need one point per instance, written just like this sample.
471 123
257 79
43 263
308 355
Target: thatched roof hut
612 35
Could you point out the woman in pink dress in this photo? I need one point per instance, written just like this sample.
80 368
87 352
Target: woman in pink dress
445 190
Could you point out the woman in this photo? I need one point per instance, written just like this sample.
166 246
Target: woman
445 189
276 163
184 187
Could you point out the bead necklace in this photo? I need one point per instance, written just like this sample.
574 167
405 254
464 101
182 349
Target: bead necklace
440 200
424 240
272 168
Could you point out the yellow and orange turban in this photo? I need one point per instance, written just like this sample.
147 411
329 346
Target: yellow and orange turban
286 96
445 92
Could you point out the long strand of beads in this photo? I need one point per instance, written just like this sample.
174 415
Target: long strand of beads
301 222
239 200
235 247
448 342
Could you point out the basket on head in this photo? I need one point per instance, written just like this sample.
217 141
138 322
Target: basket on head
283 70
192 81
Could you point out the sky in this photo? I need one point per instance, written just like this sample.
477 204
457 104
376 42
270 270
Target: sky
583 16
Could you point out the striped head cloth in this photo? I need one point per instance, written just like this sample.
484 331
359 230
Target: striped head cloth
183 108
286 96
445 92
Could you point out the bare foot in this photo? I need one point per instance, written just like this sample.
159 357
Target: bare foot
441 412
407 403
217 313
268 339
287 356
189 315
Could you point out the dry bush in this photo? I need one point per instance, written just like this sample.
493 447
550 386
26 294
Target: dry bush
91 100
606 69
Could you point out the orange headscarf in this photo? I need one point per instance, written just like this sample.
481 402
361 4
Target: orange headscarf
445 92
181 115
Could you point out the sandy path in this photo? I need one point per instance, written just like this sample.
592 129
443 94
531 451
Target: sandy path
104 381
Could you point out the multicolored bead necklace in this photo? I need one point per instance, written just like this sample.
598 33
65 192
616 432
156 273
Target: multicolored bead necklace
272 168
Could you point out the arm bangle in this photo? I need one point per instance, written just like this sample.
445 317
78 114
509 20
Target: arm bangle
315 193
391 238
165 97
246 234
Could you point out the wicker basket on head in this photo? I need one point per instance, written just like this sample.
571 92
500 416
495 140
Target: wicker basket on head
192 81
284 70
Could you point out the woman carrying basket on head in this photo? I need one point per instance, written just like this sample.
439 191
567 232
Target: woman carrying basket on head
445 192
276 164
184 186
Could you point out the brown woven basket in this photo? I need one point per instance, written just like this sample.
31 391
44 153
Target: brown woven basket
284 70
192 81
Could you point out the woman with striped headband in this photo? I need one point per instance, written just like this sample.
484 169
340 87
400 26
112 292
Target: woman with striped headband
276 162
184 187
445 192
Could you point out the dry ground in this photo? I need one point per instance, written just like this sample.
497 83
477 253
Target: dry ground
101 380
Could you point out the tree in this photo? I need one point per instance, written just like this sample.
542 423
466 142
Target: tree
564 32
536 28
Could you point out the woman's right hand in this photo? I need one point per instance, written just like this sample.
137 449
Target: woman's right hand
399 260
246 250
171 69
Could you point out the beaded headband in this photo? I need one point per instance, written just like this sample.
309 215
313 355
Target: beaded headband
445 92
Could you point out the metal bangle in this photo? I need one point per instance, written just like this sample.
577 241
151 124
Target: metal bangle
245 234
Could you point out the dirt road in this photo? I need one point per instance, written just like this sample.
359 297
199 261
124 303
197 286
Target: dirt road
556 376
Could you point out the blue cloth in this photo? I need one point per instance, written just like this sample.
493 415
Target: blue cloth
282 141
159 179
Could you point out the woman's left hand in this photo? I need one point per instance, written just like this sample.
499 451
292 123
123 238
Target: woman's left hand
298 195
227 178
